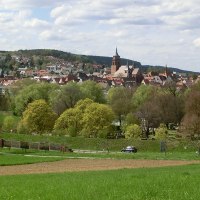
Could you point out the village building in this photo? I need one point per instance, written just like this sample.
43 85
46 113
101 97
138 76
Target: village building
116 63
129 74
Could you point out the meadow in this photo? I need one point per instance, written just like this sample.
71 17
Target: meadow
9 159
164 183
167 183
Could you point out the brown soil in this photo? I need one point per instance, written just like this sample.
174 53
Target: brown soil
70 165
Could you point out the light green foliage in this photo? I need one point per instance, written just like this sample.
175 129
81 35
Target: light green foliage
93 91
16 87
86 118
9 124
38 117
82 104
133 131
161 132
32 92
70 121
142 94
130 119
97 117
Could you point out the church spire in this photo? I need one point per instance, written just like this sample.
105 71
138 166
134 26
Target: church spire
116 52
166 70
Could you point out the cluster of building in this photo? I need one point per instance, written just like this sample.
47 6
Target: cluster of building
117 75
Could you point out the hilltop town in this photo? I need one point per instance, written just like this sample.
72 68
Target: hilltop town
52 68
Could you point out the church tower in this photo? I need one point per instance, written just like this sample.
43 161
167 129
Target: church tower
116 64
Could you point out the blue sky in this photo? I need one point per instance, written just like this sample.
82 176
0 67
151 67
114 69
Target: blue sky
154 32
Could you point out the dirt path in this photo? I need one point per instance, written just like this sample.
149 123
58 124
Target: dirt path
70 165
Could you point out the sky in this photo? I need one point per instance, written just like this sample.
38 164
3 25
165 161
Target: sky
153 32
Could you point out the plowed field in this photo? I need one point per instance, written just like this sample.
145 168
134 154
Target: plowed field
70 165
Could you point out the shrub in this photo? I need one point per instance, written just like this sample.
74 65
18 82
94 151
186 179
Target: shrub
133 131
9 124
21 129
161 132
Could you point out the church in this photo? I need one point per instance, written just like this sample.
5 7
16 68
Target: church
124 71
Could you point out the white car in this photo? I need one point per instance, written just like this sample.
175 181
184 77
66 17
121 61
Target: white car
129 149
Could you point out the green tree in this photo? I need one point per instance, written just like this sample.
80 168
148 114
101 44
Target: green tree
16 87
129 120
66 97
119 99
31 62
133 131
9 124
30 93
146 108
69 121
38 117
191 120
5 101
171 108
142 94
96 119
94 91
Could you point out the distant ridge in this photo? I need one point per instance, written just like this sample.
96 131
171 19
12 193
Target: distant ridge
102 60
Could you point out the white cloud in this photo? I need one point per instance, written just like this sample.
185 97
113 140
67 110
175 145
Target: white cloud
36 23
150 31
196 42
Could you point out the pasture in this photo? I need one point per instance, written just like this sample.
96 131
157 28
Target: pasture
174 155
10 159
155 177
167 183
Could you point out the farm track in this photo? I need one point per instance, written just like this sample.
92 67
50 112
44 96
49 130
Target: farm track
72 165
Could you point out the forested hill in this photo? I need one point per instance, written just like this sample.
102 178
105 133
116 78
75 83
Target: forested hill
49 52
103 60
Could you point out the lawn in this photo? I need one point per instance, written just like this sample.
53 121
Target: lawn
168 183
7 159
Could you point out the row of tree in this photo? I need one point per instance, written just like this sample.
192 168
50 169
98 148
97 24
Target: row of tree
85 109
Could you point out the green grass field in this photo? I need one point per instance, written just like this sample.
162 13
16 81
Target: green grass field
169 183
7 159
17 156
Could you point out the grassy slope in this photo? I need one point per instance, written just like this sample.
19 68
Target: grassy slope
100 144
169 183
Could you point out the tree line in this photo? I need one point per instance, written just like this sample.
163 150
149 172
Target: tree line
86 109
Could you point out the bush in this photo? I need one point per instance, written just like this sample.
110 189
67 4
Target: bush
133 131
161 132
9 124
21 129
